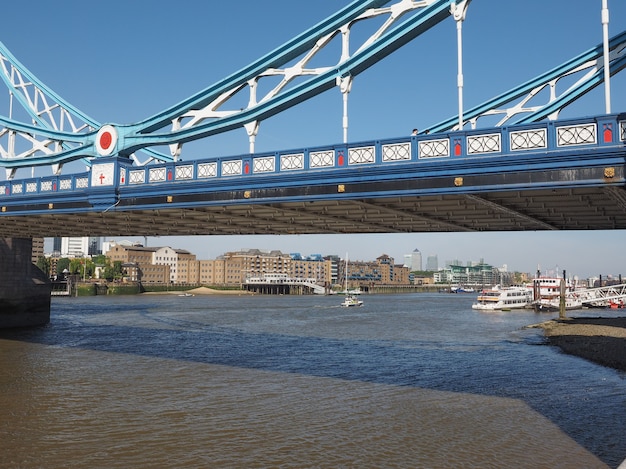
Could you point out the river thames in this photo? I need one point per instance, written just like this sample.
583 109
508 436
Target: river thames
406 381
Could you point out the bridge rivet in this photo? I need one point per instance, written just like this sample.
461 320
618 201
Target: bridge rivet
609 172
341 188
50 206
170 198
247 194
458 182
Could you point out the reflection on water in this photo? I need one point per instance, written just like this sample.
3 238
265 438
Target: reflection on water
225 381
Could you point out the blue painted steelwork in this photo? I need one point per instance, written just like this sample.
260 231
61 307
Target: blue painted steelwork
197 117
570 144
144 134
525 113
56 119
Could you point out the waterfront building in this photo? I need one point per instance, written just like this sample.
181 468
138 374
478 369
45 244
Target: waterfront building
383 271
478 274
82 246
148 271
313 266
248 263
212 272
169 265
178 260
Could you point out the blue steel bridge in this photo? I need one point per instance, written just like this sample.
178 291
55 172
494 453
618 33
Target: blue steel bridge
546 176
531 171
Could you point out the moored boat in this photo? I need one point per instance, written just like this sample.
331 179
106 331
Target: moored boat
547 295
503 298
554 304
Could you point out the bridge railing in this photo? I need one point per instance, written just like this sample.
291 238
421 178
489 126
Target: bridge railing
543 137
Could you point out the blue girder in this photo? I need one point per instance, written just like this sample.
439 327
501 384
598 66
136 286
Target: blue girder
63 146
571 95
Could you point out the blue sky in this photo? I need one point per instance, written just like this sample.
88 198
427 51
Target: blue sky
122 61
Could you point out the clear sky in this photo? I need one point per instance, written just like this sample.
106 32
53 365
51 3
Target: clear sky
121 61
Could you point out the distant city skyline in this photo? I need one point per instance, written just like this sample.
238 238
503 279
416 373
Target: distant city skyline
524 252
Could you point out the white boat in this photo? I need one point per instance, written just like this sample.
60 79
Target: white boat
503 299
554 304
350 299
547 295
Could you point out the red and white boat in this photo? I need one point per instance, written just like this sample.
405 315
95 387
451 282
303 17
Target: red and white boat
547 294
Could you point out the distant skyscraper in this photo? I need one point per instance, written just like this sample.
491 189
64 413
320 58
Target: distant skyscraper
432 264
416 260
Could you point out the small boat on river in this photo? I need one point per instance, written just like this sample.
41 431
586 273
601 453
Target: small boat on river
351 300
503 298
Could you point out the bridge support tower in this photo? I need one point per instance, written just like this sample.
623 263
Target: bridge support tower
24 288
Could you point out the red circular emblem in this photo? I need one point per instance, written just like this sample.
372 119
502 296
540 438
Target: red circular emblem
105 140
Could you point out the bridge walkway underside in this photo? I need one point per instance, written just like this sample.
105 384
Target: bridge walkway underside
579 208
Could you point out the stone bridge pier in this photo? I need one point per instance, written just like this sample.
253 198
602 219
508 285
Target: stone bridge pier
24 289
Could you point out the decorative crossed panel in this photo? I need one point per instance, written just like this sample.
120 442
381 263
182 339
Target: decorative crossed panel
137 176
207 170
361 155
576 135
489 143
290 162
82 183
231 168
529 139
18 188
156 175
321 159
434 148
265 164
622 131
45 186
31 187
396 152
65 184
184 172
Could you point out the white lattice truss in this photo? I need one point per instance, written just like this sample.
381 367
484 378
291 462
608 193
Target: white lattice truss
300 68
57 133
551 91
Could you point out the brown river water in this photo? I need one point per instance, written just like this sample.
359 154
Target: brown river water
407 381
